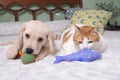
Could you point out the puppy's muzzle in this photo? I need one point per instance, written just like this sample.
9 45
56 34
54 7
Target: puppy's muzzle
29 50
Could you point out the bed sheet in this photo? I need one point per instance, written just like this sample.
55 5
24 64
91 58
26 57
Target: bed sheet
108 68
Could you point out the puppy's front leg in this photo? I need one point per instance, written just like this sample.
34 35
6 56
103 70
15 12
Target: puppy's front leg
12 51
43 53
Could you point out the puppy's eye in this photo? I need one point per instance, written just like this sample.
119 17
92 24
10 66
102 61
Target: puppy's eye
40 39
80 41
27 35
90 41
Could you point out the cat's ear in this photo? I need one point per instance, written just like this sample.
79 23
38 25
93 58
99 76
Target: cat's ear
76 28
96 28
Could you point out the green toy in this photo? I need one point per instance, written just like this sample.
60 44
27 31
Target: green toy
27 58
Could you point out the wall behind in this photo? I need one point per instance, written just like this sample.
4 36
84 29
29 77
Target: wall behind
44 16
92 4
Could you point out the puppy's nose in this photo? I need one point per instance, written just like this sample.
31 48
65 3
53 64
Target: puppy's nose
29 50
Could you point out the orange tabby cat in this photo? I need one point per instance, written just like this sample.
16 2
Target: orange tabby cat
81 36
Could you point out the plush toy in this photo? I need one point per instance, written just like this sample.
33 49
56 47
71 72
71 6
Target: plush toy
85 55
26 58
19 54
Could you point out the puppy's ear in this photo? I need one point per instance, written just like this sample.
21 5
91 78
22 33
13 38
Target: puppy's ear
22 29
51 39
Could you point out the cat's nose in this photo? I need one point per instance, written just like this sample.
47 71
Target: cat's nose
85 46
29 50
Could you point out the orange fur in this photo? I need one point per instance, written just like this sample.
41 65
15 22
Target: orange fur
81 36
85 31
66 37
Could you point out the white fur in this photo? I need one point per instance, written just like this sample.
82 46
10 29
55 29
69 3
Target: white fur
85 44
35 29
69 46
99 46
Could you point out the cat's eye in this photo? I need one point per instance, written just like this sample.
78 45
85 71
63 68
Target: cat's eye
40 39
80 41
90 41
27 35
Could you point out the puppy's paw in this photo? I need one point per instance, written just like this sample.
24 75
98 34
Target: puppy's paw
12 52
38 58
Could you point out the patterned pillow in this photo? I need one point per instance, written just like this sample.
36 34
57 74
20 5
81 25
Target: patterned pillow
69 12
91 17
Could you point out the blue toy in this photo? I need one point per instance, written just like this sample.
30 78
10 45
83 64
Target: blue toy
85 55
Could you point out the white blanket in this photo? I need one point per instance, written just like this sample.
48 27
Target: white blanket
108 68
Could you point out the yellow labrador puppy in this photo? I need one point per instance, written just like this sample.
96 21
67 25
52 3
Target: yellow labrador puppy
35 38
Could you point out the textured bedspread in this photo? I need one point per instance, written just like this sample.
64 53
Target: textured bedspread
108 68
